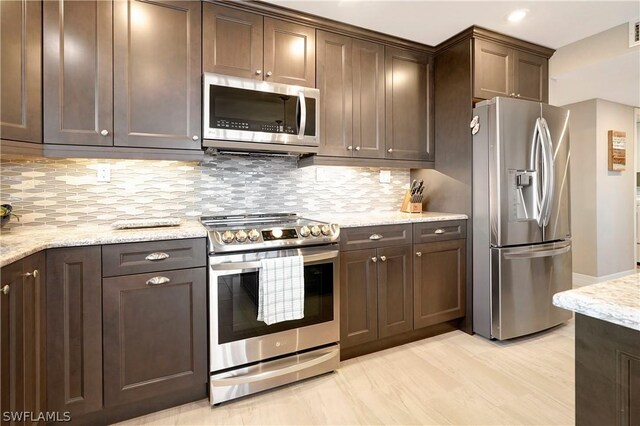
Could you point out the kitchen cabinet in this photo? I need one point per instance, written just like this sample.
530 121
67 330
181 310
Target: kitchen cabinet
358 297
248 45
163 313
409 105
74 330
500 70
21 70
395 290
112 79
78 72
22 336
350 77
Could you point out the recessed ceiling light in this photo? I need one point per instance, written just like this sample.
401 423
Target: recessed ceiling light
517 15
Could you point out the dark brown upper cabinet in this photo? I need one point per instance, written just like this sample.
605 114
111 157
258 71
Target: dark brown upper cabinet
78 72
167 320
350 77
500 70
248 45
22 336
439 281
409 105
21 70
74 330
232 41
157 74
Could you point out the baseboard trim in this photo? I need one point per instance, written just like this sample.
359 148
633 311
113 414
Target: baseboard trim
580 280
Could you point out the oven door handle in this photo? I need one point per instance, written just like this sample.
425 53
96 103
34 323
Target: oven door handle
230 266
264 375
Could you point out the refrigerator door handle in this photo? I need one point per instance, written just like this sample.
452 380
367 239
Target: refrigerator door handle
531 254
549 170
542 154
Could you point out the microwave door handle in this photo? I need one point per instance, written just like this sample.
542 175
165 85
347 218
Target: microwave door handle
302 105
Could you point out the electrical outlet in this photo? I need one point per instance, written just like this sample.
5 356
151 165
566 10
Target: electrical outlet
385 176
103 172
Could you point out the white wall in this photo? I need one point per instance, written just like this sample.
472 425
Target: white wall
602 202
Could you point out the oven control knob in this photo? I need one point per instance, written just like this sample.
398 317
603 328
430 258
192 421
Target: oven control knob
326 230
241 236
254 235
305 231
315 230
227 237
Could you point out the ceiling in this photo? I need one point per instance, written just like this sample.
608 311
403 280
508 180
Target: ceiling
549 23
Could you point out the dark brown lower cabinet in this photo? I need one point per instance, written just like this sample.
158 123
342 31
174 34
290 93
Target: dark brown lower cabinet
439 281
74 330
22 338
154 334
376 294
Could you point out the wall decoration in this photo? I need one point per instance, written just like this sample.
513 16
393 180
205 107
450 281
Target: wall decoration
617 151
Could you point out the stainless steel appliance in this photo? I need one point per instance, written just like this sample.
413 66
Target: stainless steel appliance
263 116
247 355
521 216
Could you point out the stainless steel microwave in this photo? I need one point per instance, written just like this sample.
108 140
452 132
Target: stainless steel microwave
244 114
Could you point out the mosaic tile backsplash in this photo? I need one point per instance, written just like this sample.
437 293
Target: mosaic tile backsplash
65 192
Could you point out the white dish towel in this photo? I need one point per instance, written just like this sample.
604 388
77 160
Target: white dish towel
281 289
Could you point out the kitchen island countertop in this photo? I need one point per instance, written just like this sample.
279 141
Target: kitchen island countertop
616 301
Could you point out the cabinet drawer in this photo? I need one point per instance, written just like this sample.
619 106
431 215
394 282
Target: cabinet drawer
374 236
135 258
428 232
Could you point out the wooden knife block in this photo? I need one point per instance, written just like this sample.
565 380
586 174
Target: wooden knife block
408 206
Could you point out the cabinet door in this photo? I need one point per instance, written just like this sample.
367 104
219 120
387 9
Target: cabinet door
395 290
78 73
368 99
157 74
409 115
33 314
358 297
74 330
439 282
166 319
336 91
289 53
492 70
531 77
21 70
11 365
231 41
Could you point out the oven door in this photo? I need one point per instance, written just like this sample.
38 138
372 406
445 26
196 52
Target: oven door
238 338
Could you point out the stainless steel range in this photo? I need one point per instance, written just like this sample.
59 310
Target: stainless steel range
246 354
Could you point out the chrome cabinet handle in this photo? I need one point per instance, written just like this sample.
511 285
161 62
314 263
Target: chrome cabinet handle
158 280
439 231
376 237
390 150
269 73
34 274
195 137
159 255
349 147
258 72
518 95
374 259
6 289
419 253
357 148
513 95
105 132
383 258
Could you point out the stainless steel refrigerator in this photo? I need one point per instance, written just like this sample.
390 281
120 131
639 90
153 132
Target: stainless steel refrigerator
521 216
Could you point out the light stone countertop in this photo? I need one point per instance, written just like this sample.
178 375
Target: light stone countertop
615 301
354 220
18 243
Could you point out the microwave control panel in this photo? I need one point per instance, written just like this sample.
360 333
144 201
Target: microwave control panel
253 126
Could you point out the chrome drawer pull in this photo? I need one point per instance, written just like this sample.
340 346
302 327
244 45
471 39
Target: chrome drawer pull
439 231
33 274
158 280
376 237
418 253
159 255
374 259
383 258
6 289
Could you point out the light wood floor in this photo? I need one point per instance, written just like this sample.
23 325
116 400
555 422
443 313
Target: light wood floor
449 379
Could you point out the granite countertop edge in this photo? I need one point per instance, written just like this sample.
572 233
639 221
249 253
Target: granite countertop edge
616 301
15 246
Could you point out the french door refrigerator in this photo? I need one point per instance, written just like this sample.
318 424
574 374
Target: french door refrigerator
521 216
